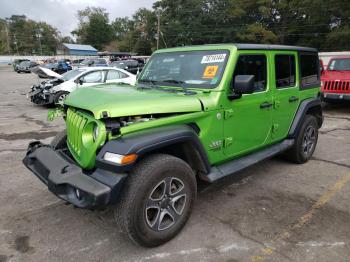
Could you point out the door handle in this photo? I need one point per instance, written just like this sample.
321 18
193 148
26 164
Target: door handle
293 99
265 105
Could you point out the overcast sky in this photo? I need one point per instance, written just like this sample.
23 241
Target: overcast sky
62 13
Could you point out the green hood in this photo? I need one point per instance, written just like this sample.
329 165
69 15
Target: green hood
118 100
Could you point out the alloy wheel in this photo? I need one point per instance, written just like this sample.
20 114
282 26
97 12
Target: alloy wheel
309 140
165 204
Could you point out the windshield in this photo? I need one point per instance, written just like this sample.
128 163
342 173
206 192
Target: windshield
340 64
71 74
49 65
121 65
86 62
25 63
100 61
198 69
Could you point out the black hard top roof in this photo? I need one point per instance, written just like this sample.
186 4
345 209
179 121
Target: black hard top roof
274 47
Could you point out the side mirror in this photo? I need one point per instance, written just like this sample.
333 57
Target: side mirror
79 81
321 66
321 70
242 84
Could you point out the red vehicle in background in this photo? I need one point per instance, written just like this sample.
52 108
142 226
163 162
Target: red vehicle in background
336 80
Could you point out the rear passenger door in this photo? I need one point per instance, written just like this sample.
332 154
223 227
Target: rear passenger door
115 76
285 92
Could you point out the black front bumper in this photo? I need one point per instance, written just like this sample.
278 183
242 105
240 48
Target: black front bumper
335 96
69 182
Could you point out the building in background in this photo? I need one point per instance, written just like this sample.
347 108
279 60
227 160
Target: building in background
76 50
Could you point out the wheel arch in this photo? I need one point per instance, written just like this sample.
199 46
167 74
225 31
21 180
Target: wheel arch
310 106
181 141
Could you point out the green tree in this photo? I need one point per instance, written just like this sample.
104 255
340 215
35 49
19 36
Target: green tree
94 27
28 36
3 37
121 26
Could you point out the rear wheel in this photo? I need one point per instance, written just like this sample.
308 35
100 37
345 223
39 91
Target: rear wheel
157 200
305 142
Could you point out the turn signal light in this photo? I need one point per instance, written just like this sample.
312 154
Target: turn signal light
119 159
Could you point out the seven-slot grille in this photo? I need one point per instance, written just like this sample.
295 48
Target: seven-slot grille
336 86
75 126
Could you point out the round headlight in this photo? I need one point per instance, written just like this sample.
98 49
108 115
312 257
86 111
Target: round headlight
95 132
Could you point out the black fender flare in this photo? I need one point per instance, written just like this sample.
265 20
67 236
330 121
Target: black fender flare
149 140
305 106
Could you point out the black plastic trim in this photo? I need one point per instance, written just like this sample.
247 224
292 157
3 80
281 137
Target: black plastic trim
234 166
149 140
335 96
304 107
274 47
62 177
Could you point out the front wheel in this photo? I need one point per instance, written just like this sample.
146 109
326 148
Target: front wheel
305 143
60 97
157 200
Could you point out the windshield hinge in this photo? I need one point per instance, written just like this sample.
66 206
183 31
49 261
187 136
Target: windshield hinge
228 113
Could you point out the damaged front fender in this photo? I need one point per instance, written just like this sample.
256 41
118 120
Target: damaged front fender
53 113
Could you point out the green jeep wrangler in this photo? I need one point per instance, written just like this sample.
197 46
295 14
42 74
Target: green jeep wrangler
196 113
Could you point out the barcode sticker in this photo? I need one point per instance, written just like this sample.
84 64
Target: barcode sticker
218 58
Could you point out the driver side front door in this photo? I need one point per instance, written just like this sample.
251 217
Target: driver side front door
92 78
248 119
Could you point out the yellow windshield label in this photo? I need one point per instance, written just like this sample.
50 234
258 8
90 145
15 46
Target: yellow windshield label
210 71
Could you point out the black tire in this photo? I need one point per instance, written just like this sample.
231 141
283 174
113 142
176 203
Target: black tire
58 97
135 213
60 140
305 142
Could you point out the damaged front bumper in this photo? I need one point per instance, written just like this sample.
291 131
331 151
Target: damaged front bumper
40 97
68 181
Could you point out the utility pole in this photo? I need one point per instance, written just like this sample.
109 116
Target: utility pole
38 34
158 28
7 36
15 42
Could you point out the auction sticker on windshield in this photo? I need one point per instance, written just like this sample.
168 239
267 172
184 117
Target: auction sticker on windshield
218 58
210 71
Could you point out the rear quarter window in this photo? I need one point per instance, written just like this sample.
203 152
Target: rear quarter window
285 71
309 70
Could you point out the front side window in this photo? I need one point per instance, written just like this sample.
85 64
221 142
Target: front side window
93 77
195 69
253 65
339 64
285 71
309 66
71 74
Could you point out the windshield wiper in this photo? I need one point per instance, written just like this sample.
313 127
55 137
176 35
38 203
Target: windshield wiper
181 83
152 84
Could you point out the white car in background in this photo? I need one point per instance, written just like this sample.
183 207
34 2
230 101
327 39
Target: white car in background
54 91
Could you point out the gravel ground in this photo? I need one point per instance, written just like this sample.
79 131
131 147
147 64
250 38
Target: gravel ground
274 211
